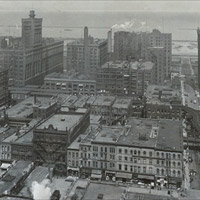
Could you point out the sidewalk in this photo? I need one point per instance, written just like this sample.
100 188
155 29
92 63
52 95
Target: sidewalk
163 192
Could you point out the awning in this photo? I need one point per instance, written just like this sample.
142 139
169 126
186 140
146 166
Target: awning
73 168
98 176
146 177
123 175
109 172
58 84
5 165
64 84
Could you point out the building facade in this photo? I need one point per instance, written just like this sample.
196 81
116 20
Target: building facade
137 150
4 93
123 78
87 54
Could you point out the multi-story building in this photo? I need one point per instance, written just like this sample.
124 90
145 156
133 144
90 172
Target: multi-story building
70 83
30 58
123 78
103 106
87 54
135 45
162 102
4 94
198 40
52 137
157 56
145 149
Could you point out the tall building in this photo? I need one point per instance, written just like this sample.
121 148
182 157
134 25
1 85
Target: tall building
87 54
198 39
4 94
30 58
135 45
31 31
156 55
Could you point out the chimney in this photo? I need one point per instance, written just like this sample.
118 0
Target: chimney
86 53
109 41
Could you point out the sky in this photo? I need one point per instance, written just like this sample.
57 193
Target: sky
99 5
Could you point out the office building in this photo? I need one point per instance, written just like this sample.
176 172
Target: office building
87 54
70 83
124 78
31 57
135 46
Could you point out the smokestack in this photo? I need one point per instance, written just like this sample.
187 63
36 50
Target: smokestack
86 47
109 41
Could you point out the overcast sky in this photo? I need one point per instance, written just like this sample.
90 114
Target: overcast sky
98 5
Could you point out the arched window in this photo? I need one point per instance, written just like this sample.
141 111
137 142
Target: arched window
174 156
135 152
144 152
158 171
179 173
174 164
158 154
162 171
174 172
179 164
138 152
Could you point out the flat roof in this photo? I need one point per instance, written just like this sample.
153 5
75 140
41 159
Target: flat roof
167 136
61 121
75 144
122 103
108 191
13 175
38 174
104 101
25 108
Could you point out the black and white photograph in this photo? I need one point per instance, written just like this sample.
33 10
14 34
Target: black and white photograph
99 100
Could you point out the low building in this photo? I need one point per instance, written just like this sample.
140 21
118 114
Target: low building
52 137
144 149
103 106
121 109
70 83
162 102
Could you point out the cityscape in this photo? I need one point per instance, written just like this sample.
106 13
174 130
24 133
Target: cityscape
99 111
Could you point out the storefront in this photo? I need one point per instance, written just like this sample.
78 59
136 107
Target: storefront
96 175
124 177
146 178
73 171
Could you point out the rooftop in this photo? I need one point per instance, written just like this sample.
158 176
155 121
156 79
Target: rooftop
104 101
75 144
25 108
159 134
92 42
68 76
61 122
14 175
136 65
122 103
161 94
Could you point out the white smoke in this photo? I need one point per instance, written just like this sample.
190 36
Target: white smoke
134 25
41 190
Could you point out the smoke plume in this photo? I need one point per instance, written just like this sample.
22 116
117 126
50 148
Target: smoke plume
134 25
41 190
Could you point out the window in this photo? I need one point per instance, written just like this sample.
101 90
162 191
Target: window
150 154
163 155
150 170
125 167
179 164
179 156
158 154
135 160
112 150
120 158
131 151
144 169
135 152
144 161
138 153
158 171
174 156
126 158
131 168
179 173
120 150
138 169
125 151
120 167
174 164
144 153
158 162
